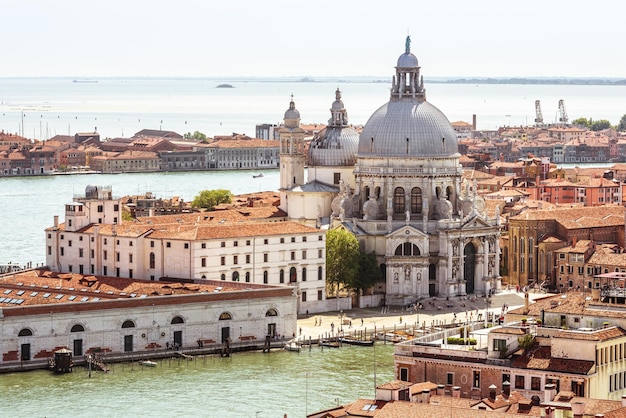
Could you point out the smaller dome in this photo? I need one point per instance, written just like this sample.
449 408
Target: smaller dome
292 112
334 146
407 60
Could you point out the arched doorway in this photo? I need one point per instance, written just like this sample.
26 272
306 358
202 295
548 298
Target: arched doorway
469 264
432 279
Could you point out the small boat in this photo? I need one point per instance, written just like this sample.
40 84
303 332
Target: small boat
256 176
354 341
331 344
225 86
148 363
292 346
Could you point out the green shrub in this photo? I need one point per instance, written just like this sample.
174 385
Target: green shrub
461 341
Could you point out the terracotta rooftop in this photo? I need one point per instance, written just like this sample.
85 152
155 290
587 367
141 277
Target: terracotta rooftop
43 287
539 357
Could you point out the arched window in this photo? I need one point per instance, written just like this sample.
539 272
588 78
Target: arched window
515 245
25 332
531 256
398 200
225 316
407 249
281 276
293 275
271 312
265 277
416 200
235 276
128 324
367 192
152 260
522 248
247 277
177 320
304 274
223 277
77 328
319 273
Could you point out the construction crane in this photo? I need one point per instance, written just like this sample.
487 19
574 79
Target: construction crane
562 112
538 114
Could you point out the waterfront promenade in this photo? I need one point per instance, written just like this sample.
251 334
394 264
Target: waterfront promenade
435 312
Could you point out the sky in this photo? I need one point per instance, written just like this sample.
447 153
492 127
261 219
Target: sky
280 38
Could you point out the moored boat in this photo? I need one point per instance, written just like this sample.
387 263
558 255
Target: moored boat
292 346
331 344
354 341
148 363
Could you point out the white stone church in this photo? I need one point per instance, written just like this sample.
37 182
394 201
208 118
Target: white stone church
398 187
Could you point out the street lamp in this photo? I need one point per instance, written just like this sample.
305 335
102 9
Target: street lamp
341 321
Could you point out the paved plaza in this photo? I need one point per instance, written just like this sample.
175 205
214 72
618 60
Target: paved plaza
435 311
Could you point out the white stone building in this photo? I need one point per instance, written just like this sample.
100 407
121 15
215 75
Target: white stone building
259 246
42 311
401 193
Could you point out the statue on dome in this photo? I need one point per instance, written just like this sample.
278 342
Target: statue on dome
408 44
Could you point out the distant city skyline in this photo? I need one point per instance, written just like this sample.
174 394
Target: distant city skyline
279 38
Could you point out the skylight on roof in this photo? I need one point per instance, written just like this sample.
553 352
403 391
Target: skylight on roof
46 295
6 292
59 296
71 297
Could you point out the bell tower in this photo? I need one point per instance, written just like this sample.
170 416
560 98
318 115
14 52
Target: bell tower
292 157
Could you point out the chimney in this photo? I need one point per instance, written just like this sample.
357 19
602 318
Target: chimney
578 409
549 412
506 389
56 221
426 395
456 391
492 392
441 390
623 400
549 392
474 122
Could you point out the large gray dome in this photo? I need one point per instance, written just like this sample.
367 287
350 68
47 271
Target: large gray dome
408 127
334 146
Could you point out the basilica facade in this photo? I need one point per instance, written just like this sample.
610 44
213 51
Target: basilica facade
398 187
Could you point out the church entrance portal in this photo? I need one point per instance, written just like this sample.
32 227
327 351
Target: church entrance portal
469 265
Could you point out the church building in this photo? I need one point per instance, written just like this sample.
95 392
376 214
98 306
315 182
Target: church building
398 188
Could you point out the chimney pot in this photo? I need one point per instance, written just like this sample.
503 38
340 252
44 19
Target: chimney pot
456 391
492 392
441 390
506 389
578 409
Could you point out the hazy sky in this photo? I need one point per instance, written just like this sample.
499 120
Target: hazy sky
205 38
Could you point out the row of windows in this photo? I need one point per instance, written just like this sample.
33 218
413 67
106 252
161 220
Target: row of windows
293 275
319 295
611 353
265 258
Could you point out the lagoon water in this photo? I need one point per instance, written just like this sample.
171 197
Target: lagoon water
117 107
249 384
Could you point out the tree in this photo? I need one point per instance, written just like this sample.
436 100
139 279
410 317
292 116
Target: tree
599 125
342 258
210 198
582 122
368 272
197 135
622 124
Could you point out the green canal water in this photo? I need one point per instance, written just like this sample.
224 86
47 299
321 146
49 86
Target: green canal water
249 384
